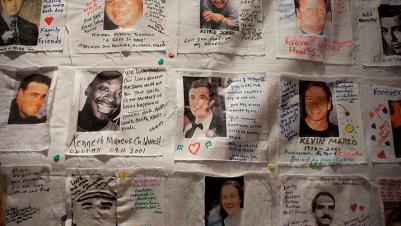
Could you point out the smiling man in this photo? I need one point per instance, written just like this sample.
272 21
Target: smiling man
317 105
390 22
219 15
13 28
30 98
201 101
122 14
323 206
312 15
103 102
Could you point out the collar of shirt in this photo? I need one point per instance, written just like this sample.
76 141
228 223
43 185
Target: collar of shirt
8 19
306 33
207 121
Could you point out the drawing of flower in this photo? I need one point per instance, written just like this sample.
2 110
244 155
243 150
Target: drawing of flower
211 133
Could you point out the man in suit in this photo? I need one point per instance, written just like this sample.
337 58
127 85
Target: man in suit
14 30
29 100
103 102
201 100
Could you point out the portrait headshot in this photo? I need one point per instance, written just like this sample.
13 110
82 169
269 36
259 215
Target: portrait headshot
316 105
95 208
219 15
17 28
101 109
395 118
204 107
29 104
392 212
390 23
323 207
312 15
224 201
122 14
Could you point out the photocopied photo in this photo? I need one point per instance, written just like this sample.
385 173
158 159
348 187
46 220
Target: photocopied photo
101 108
390 24
219 15
312 15
204 112
122 14
19 22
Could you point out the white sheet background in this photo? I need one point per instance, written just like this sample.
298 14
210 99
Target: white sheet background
209 61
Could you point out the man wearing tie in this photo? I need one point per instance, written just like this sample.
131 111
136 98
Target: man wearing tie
14 30
205 123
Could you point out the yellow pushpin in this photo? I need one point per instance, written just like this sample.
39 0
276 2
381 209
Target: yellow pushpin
271 166
123 174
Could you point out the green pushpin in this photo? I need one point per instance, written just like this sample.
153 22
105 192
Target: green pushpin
161 61
56 157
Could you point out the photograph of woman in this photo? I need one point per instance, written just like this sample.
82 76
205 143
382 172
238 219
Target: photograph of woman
225 207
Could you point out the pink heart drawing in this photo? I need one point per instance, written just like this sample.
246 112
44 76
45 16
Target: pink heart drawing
361 208
353 207
194 148
49 20
381 155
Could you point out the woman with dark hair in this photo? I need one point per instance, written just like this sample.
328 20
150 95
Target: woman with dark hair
231 199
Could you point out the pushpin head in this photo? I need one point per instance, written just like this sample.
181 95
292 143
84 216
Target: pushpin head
161 61
270 166
171 54
64 218
56 157
123 174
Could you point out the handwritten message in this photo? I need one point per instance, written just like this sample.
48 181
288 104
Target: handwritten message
349 193
26 181
80 184
146 195
390 189
20 215
289 109
148 33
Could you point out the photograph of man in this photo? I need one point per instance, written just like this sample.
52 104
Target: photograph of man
395 118
122 14
390 22
205 121
394 217
323 206
15 30
312 15
227 205
316 105
95 208
30 99
101 111
219 15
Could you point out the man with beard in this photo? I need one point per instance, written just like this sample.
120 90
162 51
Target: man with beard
312 15
122 14
219 15
323 206
390 22
102 106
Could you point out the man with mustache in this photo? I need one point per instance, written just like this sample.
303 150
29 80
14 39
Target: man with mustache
122 14
323 206
102 106
390 22
31 96
15 30
201 101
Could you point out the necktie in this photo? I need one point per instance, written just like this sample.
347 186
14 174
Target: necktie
13 29
191 131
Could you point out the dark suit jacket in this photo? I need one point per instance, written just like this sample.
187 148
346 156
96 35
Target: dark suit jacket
217 124
27 32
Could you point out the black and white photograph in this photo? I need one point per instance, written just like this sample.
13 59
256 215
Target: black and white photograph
19 22
224 201
100 103
318 113
390 25
323 208
204 110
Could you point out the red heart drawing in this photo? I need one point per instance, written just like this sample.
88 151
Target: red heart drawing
361 208
381 155
353 207
194 148
49 20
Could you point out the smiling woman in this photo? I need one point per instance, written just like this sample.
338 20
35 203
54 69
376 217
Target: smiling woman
122 14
